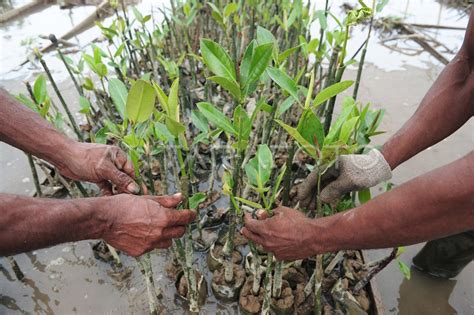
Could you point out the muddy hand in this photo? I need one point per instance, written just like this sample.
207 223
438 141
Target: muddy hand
138 224
356 172
277 235
104 165
308 190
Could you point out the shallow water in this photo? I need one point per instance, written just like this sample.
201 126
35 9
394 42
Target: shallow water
66 279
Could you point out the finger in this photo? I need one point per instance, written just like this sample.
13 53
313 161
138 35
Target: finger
168 201
122 181
332 192
123 163
105 188
180 217
308 187
262 214
254 237
173 232
252 224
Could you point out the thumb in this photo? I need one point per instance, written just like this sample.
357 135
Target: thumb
167 201
335 190
122 181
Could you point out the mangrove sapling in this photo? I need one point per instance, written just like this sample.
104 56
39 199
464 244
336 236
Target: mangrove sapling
258 171
254 62
60 97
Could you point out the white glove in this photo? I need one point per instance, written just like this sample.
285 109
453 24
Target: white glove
356 172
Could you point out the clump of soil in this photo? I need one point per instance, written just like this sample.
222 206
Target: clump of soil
216 257
224 290
249 303
303 305
295 276
284 304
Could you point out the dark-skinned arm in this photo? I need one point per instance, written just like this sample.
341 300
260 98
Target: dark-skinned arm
433 205
133 224
104 165
447 105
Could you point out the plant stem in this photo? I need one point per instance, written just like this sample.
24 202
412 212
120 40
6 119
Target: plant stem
61 99
34 173
268 285
362 57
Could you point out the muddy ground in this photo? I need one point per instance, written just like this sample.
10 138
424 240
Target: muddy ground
66 279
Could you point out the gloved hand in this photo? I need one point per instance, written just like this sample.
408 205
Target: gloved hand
353 172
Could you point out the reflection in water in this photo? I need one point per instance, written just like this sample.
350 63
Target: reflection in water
10 303
424 292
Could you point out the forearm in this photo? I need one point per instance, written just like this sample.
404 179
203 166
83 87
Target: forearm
26 130
31 223
431 206
445 108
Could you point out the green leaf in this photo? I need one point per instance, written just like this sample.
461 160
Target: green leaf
331 91
260 59
259 168
140 101
348 108
162 97
118 92
320 15
133 141
174 127
85 105
242 120
284 81
230 86
230 8
101 70
246 61
287 103
295 13
404 269
364 195
216 117
162 132
22 98
264 36
284 55
217 59
173 101
277 184
308 147
40 91
199 121
311 129
196 199
249 203
347 128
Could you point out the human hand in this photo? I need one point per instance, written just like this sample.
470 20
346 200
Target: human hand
139 224
288 234
352 172
105 165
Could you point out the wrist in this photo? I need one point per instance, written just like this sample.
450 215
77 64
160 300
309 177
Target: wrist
63 152
389 155
97 218
320 232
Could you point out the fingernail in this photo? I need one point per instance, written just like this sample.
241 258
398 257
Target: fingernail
177 195
133 188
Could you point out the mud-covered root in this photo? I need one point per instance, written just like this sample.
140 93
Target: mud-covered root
228 292
182 287
215 257
250 304
284 305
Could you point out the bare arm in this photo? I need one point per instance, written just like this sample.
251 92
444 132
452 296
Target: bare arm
130 223
447 105
430 206
101 164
